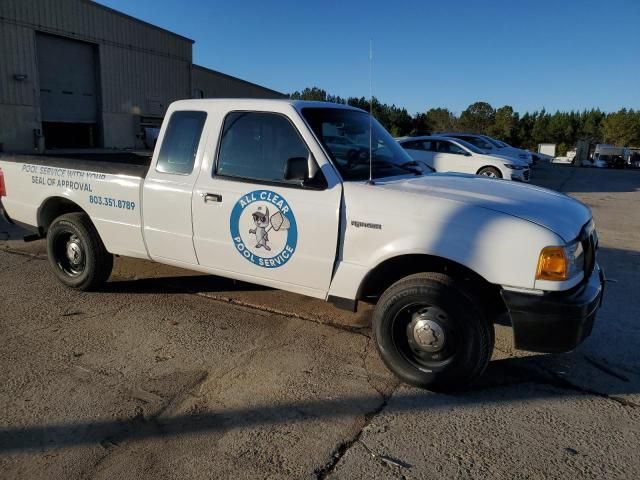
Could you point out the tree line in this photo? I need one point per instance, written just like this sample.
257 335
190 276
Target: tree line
621 128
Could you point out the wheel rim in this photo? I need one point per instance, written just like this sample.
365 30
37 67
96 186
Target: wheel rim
489 173
425 336
69 253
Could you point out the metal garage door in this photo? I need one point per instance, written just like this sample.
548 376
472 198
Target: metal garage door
68 91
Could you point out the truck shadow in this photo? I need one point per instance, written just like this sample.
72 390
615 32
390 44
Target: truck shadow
594 369
506 382
10 232
182 284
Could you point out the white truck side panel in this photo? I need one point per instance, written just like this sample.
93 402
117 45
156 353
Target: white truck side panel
111 201
482 240
316 214
167 218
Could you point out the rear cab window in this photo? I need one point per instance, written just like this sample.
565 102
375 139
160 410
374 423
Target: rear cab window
180 143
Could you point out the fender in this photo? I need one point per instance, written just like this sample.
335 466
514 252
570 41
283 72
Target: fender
481 240
51 208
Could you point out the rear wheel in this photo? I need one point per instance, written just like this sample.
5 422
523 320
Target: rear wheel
431 333
490 172
76 253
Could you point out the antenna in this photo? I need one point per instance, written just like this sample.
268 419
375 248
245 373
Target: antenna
371 182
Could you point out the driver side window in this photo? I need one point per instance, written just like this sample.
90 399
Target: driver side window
257 146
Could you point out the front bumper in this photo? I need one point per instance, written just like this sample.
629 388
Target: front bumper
557 321
521 175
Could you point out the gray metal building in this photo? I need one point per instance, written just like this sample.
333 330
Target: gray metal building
76 74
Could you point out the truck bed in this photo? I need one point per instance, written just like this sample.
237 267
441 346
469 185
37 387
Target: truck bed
110 192
128 163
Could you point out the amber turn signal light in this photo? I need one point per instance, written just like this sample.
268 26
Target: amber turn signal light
552 264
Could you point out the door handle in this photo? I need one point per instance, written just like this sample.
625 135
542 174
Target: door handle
212 197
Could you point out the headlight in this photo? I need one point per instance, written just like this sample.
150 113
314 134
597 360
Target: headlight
513 167
560 263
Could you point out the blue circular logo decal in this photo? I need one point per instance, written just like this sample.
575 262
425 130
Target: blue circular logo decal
263 229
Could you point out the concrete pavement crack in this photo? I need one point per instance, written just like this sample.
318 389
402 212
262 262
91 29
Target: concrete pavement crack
339 452
23 254
560 382
117 440
605 369
551 378
363 357
262 308
232 301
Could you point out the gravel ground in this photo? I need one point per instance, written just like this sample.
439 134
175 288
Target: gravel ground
171 374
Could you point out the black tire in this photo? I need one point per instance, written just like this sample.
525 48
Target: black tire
76 253
490 172
437 301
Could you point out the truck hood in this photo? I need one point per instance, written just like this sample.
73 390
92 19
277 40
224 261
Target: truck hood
553 210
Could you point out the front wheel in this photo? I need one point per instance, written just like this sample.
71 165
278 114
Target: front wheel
490 172
431 333
76 253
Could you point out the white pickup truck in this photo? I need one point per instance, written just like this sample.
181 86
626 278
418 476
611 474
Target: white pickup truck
252 190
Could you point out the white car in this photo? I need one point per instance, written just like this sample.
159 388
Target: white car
492 146
564 160
452 155
344 148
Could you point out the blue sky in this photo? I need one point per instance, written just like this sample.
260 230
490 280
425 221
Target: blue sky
529 54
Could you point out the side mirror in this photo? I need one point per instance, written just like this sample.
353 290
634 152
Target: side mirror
467 154
305 172
297 169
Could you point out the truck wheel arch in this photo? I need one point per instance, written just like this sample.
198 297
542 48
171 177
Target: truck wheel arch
51 209
389 271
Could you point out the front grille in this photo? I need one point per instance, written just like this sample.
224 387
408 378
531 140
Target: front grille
589 240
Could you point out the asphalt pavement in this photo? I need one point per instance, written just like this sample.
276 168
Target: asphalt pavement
172 374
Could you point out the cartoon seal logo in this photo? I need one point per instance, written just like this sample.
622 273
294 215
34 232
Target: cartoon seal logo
264 229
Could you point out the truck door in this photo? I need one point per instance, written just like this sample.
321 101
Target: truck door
251 223
168 188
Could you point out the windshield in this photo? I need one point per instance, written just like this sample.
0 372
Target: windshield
345 135
491 140
475 141
470 146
